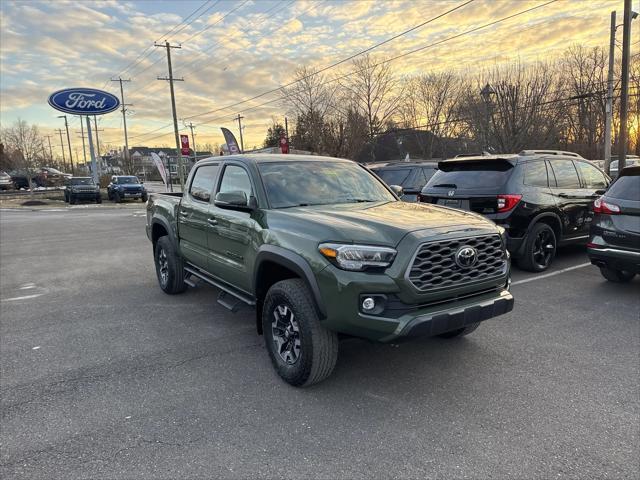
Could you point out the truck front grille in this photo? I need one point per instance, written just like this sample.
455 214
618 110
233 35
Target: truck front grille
435 266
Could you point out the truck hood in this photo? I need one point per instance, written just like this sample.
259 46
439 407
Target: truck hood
371 223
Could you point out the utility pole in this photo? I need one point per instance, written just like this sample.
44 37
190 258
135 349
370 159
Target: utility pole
81 132
64 160
624 94
286 129
170 79
50 149
66 125
95 123
609 106
239 118
193 141
124 118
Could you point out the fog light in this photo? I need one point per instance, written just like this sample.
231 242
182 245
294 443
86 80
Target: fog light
368 304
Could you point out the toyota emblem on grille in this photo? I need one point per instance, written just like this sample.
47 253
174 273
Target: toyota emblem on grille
466 256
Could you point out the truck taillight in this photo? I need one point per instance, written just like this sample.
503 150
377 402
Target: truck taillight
601 206
507 202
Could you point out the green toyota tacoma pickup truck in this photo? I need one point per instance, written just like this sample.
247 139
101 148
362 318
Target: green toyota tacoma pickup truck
324 249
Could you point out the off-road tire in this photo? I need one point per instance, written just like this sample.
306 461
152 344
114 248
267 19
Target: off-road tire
174 282
117 198
98 199
528 261
72 200
66 197
616 276
318 345
144 198
461 332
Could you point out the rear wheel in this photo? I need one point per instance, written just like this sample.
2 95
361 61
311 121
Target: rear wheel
617 276
539 249
461 332
302 350
169 267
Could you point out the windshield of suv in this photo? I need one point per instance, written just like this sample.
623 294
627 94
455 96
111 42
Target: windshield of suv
470 174
81 181
125 180
291 184
393 176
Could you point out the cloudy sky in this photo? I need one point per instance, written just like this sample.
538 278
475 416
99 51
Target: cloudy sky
233 50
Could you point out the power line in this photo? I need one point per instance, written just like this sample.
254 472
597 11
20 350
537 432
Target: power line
215 23
171 32
339 62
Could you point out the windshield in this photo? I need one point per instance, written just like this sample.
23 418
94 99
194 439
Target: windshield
468 174
123 180
81 181
393 176
290 184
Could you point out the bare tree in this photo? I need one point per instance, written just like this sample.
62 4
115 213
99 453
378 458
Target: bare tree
26 147
374 90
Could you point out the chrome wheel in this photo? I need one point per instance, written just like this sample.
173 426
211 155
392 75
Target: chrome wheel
163 267
544 247
286 334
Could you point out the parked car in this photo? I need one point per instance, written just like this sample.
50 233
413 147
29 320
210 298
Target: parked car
6 183
81 188
542 200
20 179
123 187
411 176
614 241
630 161
322 247
50 177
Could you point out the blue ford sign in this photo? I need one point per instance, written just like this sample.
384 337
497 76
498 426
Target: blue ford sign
84 101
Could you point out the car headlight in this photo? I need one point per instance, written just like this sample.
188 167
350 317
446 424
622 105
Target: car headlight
357 257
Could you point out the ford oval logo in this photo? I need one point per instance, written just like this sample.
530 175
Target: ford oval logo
84 101
466 256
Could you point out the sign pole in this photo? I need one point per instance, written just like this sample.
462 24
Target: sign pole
94 167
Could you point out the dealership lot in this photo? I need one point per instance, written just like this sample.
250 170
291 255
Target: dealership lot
103 375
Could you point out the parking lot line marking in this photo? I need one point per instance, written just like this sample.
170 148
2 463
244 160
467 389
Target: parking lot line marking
552 274
25 297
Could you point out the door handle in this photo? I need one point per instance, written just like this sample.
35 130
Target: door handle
212 221
184 213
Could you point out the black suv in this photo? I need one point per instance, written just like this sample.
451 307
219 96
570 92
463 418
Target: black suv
541 199
614 243
411 176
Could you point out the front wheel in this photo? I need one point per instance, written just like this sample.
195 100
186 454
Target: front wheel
539 248
302 350
617 276
72 200
169 267
144 198
116 197
98 199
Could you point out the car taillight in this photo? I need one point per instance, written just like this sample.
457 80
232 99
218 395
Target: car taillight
601 206
507 202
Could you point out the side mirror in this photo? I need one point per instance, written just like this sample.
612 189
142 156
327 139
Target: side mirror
397 189
234 200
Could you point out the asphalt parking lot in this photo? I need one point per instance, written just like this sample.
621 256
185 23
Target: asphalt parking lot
104 376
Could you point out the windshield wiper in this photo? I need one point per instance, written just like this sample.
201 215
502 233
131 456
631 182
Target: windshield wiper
449 185
356 200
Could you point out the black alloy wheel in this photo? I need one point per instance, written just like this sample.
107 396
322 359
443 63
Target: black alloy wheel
286 334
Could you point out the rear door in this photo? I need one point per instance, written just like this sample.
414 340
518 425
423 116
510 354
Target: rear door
593 183
469 184
193 216
569 197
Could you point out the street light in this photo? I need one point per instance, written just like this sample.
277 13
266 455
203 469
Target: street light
486 93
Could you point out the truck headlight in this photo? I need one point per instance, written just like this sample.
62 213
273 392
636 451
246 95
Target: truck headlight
357 257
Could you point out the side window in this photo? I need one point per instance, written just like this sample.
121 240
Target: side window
535 174
236 179
591 176
565 173
202 183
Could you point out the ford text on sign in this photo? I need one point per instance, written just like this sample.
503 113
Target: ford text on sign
84 101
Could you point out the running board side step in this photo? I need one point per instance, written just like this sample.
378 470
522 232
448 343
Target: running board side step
226 290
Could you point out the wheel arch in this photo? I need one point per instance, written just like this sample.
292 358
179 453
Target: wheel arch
550 218
160 228
274 264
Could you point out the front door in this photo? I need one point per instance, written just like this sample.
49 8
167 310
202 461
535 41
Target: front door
231 236
193 216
